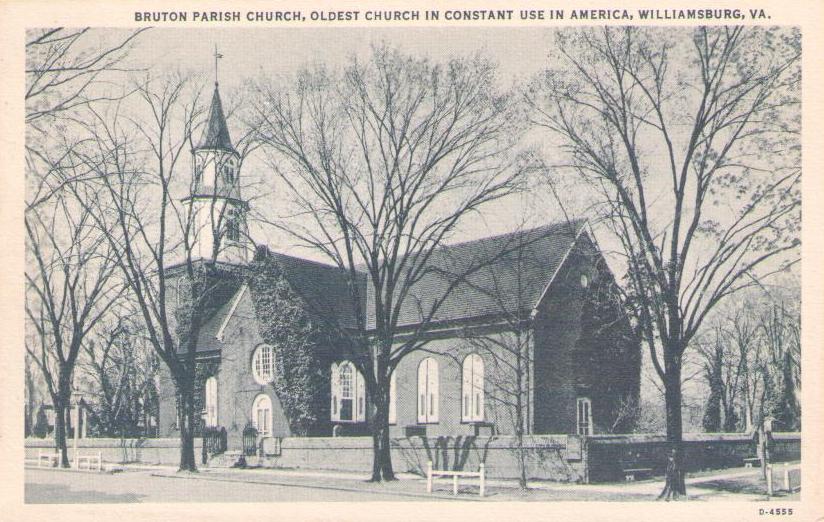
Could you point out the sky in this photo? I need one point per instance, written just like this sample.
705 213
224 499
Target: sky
252 53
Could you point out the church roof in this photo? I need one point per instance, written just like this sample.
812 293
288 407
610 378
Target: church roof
494 275
216 133
324 288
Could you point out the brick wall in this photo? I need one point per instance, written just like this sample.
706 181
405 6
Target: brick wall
608 455
145 451
549 457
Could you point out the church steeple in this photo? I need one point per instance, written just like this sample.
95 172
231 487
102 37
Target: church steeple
218 211
216 133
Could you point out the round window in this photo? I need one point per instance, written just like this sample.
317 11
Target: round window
263 364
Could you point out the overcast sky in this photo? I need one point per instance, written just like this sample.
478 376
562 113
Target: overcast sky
251 53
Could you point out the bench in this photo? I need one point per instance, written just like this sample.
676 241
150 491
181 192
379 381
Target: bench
752 461
631 474
51 458
431 474
89 459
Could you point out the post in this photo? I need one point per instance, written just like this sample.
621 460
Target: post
429 477
483 478
787 477
455 485
99 461
769 480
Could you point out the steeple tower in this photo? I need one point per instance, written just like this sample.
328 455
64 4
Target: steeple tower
217 209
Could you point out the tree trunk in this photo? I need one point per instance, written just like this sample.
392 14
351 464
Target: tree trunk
61 410
386 455
60 431
381 450
522 482
674 486
185 414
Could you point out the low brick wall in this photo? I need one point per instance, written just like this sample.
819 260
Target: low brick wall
549 457
146 451
608 455
600 458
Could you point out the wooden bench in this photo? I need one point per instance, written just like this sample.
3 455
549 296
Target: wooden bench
431 474
752 461
631 474
51 458
89 459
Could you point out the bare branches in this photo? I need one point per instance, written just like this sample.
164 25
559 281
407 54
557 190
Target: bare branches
64 66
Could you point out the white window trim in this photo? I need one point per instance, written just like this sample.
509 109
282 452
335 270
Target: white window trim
358 394
256 405
473 410
428 391
211 399
263 379
580 428
393 398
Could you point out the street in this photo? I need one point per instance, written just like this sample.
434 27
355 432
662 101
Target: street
51 486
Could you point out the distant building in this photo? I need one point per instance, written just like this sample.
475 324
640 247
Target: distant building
580 363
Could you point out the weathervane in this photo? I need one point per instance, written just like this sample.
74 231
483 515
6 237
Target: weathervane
218 56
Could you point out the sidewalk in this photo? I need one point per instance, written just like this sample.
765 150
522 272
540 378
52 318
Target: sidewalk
730 484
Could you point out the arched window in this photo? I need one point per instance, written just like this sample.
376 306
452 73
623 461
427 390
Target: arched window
262 415
584 416
210 401
472 396
393 398
348 393
263 364
428 391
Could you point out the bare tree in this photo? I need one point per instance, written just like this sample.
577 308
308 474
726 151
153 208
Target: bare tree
689 145
383 161
66 70
69 287
140 156
120 369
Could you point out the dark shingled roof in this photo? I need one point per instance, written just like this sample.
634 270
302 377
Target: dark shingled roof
495 275
216 133
324 288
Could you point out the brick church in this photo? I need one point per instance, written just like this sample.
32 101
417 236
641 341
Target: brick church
538 335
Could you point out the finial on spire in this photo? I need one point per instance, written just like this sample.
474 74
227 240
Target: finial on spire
217 57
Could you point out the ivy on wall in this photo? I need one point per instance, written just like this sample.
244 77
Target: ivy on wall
301 344
608 354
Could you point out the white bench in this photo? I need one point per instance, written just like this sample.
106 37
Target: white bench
52 459
89 460
431 474
752 461
631 474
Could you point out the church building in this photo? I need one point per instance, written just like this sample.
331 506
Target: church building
537 336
